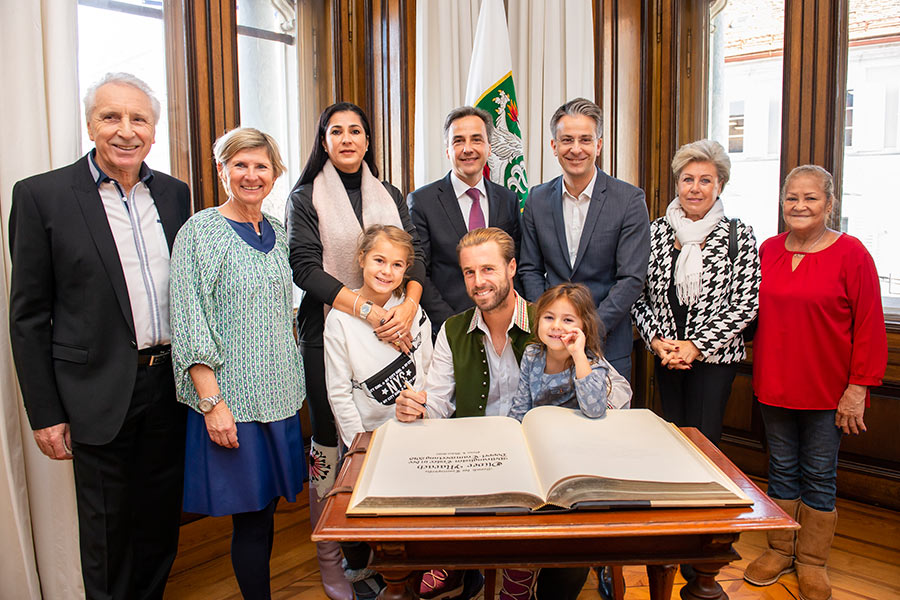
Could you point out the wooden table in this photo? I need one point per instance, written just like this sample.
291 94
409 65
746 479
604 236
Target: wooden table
658 538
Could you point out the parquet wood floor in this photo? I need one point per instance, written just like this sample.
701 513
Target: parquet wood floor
864 562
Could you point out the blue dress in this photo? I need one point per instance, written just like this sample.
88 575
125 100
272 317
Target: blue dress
270 461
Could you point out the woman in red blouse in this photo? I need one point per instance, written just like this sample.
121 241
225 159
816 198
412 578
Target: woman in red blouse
820 345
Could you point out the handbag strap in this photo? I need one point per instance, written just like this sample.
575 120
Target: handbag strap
732 239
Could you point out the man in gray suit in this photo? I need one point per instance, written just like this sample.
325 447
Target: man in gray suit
596 232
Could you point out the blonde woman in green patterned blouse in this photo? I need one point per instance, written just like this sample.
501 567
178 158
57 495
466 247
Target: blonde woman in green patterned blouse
235 359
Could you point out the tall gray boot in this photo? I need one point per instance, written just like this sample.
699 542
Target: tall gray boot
322 468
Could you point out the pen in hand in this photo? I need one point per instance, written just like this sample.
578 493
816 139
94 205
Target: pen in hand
412 389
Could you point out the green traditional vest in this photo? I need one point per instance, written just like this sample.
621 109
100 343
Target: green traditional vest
470 366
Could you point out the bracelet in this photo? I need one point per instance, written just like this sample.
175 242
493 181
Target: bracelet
416 304
354 305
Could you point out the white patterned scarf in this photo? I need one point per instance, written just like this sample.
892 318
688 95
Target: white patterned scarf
691 234
339 229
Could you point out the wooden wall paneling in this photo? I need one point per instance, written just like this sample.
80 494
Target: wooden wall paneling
658 135
602 25
618 80
629 77
315 59
814 90
692 26
389 88
349 21
177 90
660 97
379 70
409 43
213 92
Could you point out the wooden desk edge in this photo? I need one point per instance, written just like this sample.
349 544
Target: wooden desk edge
334 525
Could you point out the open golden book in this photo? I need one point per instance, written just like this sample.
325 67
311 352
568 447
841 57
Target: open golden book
555 459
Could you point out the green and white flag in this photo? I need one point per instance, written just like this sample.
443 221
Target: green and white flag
490 87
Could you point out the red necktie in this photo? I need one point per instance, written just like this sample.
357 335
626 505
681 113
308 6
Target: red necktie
476 215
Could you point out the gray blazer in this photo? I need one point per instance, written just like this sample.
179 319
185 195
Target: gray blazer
612 255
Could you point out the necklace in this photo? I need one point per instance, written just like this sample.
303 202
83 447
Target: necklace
800 252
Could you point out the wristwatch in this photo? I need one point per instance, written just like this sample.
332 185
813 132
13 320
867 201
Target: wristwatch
365 309
207 404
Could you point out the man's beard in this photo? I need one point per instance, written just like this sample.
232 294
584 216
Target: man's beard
500 296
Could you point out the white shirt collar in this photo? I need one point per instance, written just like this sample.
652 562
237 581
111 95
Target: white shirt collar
460 187
587 193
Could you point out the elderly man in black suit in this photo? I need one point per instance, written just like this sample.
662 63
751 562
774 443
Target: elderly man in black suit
587 227
445 210
89 325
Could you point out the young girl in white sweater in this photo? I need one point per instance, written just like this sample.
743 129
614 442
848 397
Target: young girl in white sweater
364 375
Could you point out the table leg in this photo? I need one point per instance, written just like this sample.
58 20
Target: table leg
661 577
490 583
704 585
398 586
618 583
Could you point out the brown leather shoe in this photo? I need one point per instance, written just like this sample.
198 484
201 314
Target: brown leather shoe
778 558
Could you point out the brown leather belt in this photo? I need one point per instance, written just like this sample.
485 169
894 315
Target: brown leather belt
155 356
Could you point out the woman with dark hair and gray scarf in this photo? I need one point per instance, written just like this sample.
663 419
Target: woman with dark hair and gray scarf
337 196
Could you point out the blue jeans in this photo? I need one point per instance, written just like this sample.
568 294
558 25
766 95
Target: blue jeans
803 453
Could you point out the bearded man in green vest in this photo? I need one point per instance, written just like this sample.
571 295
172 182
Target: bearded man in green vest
475 371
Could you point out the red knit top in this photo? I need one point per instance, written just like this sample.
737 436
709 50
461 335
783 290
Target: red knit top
821 327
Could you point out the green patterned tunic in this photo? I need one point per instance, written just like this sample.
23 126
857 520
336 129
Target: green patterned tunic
231 310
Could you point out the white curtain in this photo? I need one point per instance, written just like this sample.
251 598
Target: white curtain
40 120
445 31
552 47
552 44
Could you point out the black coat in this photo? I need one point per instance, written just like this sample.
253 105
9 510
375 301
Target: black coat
440 224
71 325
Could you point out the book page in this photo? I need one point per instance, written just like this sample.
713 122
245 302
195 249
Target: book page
633 445
429 458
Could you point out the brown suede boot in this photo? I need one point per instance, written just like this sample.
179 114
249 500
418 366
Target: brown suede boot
813 545
778 559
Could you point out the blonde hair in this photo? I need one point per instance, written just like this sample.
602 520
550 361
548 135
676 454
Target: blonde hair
248 138
477 237
703 151
824 177
581 300
395 236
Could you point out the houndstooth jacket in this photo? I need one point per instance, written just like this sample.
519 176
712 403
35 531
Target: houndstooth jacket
729 298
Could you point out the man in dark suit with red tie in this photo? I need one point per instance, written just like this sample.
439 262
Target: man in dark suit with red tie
445 210
89 326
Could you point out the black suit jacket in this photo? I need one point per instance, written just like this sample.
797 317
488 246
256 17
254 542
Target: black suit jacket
71 326
440 224
612 253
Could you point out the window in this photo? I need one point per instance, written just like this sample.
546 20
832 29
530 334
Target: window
268 84
745 78
869 207
143 56
736 127
848 120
